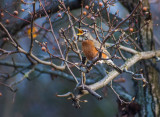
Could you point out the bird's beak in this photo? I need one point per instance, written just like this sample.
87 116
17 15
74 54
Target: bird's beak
80 32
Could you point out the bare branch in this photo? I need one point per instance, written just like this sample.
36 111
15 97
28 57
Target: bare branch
130 62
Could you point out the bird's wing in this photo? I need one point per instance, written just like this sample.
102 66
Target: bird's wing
98 45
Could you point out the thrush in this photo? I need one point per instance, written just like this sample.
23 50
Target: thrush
91 47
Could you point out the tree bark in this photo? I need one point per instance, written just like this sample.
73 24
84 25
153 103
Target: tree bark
149 96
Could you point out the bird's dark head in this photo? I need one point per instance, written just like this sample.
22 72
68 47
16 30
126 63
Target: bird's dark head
84 33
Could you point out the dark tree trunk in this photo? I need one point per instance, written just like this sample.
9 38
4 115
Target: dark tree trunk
149 96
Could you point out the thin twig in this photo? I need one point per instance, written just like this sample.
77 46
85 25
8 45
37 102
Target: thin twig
121 23
26 75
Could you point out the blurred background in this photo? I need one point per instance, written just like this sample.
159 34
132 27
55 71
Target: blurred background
36 96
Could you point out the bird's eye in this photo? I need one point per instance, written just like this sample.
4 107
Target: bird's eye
85 31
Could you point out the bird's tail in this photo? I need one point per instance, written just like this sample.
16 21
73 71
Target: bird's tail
110 63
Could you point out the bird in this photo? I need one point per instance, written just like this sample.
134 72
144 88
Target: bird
91 47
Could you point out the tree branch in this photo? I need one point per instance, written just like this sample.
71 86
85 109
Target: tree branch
130 62
51 8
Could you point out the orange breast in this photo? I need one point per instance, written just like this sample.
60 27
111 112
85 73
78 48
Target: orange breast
89 50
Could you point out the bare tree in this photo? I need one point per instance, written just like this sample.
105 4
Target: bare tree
128 40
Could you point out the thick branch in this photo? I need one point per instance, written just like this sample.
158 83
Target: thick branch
127 49
130 62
